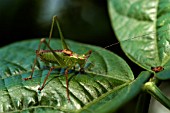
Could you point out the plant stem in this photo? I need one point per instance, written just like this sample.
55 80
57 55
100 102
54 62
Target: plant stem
152 89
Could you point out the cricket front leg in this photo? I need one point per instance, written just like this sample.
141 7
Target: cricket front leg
81 71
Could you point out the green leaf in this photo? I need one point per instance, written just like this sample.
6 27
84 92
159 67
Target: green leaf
115 99
163 75
106 77
142 28
143 103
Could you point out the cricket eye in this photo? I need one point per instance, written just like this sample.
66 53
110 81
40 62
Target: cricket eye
90 51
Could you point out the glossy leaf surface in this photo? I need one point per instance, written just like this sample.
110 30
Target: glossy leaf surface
106 76
142 27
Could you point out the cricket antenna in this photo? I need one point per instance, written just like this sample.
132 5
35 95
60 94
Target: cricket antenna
112 45
149 33
128 39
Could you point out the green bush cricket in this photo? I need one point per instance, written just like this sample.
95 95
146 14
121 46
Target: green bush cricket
65 58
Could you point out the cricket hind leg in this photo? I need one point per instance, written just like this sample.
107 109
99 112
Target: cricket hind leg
64 44
67 85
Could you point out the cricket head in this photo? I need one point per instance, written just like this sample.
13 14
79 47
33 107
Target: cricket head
81 57
87 55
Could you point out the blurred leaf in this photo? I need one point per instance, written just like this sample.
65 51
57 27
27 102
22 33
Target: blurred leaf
163 75
107 77
136 18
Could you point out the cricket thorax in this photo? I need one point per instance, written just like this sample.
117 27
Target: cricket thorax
82 56
67 52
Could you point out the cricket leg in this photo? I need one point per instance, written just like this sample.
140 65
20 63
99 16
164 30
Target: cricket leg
35 61
82 67
51 30
64 44
33 67
81 70
67 91
40 88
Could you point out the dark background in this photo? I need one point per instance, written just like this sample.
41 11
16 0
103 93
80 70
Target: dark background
85 21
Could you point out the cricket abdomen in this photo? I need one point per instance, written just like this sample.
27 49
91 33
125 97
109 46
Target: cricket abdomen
68 61
47 55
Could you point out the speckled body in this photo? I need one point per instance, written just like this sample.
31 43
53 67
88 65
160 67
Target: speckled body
69 60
